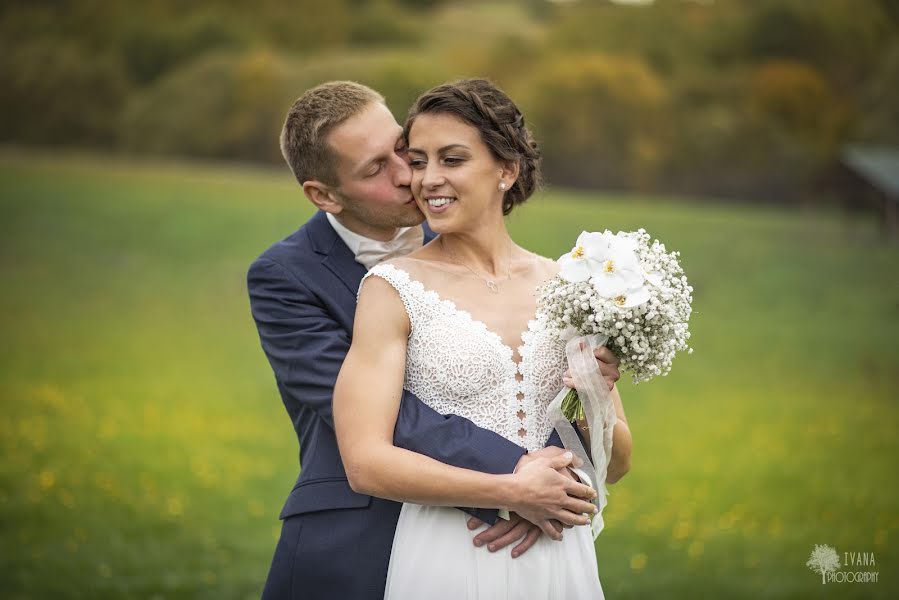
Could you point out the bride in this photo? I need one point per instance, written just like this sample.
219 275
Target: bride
454 323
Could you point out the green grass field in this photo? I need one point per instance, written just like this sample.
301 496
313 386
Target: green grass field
146 452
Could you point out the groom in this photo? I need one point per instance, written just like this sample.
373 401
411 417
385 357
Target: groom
346 150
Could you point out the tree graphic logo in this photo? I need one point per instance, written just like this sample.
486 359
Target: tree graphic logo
824 559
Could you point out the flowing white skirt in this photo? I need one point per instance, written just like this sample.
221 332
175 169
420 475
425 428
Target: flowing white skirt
433 557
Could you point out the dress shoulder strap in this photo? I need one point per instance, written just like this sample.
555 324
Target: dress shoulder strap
409 290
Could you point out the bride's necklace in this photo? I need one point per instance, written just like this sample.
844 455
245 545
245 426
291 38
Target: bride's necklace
492 284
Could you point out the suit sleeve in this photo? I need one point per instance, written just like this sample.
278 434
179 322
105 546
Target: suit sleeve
306 347
554 440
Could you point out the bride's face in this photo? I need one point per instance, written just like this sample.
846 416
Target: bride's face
455 178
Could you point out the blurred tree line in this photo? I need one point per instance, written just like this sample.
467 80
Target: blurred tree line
732 98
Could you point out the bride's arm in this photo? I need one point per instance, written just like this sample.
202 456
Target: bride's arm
621 442
366 401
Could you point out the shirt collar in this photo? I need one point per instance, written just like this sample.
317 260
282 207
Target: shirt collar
354 241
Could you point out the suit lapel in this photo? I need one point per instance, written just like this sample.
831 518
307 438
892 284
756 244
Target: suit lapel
337 257
342 263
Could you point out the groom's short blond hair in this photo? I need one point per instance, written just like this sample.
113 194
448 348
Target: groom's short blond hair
309 121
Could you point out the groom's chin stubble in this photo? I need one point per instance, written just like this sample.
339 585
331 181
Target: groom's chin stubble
415 217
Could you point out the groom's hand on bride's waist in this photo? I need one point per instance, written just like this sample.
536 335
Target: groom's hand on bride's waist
547 505
507 532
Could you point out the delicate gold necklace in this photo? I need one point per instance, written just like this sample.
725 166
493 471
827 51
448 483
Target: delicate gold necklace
492 284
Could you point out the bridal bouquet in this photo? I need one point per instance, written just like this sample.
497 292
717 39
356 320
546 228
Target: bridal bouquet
631 295
624 292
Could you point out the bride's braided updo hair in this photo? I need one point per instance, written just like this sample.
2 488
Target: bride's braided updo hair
488 109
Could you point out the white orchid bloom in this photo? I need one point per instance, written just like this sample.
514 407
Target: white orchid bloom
653 277
631 298
620 269
585 259
622 241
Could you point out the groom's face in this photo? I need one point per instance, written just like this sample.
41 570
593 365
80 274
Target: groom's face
373 174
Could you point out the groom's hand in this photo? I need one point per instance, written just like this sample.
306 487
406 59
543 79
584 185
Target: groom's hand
503 533
608 368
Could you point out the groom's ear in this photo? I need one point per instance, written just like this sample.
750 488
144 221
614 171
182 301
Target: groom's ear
322 196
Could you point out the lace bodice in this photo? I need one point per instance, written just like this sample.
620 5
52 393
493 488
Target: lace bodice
456 365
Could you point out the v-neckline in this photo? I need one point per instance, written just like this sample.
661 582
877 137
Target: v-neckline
499 340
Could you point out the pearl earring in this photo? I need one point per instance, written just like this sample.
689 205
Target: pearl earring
502 186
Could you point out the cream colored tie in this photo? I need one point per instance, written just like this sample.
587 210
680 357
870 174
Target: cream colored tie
372 252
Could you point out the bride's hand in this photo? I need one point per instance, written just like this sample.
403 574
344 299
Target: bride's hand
545 494
547 452
550 452
608 365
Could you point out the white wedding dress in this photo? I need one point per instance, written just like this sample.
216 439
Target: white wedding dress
456 365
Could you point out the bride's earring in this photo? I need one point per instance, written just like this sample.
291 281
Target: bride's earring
502 186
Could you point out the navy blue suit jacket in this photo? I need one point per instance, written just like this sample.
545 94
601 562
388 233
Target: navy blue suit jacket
335 543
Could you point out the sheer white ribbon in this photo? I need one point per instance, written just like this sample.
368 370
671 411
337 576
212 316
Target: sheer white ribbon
599 411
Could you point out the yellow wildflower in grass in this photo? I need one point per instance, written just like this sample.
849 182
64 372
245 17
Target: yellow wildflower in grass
49 395
638 561
682 530
175 506
46 479
651 523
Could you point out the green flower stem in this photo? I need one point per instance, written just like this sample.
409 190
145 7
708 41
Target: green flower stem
572 407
